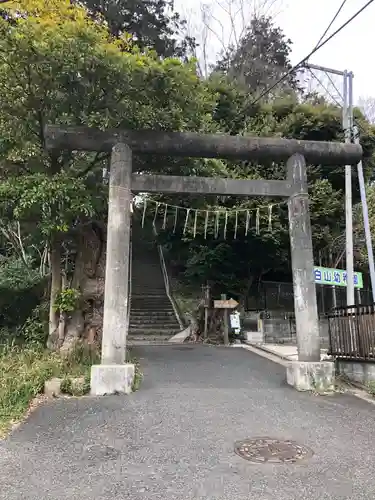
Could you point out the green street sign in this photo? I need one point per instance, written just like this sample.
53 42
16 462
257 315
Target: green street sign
335 277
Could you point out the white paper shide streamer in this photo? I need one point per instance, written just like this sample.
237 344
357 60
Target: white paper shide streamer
220 223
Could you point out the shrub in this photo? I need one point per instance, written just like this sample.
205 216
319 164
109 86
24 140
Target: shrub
21 291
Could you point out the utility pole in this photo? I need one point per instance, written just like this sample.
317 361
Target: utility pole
348 129
366 222
347 124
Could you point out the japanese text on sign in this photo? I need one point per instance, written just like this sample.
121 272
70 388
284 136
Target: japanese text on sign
335 277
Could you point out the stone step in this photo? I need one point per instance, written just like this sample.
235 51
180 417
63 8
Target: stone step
145 304
141 271
150 323
140 268
153 315
153 331
148 282
151 310
150 299
150 295
148 318
164 314
148 341
138 265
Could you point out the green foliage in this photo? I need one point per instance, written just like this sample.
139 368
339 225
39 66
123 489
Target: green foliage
76 386
153 24
67 300
260 59
17 275
21 289
76 367
24 372
371 388
138 375
56 202
35 329
82 354
59 66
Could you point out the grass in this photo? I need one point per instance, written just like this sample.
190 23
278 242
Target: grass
138 377
24 371
371 388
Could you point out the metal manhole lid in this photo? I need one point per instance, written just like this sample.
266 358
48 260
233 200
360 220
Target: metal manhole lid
272 451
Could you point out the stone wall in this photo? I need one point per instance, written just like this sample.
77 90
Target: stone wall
357 371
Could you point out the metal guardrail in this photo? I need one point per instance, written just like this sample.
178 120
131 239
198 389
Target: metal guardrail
167 284
352 332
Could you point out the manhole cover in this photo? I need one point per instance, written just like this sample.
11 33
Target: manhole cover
272 451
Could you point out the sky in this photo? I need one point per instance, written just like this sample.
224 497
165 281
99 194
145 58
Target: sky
304 21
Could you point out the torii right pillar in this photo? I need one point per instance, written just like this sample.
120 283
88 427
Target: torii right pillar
309 372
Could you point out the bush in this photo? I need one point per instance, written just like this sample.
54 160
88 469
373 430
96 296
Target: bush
21 291
34 331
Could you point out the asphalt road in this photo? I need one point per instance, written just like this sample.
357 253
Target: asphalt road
174 438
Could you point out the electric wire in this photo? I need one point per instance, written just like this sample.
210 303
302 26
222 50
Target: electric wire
331 23
305 59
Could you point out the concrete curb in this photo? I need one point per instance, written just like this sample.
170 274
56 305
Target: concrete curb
268 351
260 352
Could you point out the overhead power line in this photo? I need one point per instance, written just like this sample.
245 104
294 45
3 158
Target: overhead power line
331 23
292 70
339 104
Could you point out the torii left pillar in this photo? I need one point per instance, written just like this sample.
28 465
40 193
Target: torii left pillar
114 375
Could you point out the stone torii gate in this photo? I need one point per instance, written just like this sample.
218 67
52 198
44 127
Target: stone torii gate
113 375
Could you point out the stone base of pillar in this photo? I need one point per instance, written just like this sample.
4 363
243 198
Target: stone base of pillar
311 376
112 379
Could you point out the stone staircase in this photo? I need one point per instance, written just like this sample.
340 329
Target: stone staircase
152 316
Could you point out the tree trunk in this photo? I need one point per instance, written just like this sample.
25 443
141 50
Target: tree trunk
75 323
73 330
55 267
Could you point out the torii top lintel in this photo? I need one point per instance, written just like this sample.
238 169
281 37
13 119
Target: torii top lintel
196 145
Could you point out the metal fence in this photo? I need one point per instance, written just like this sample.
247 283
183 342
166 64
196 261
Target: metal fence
352 332
274 296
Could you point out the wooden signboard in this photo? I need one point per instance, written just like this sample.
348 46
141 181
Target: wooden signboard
225 304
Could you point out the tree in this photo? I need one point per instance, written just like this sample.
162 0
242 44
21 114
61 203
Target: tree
58 65
218 27
152 24
367 106
260 59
